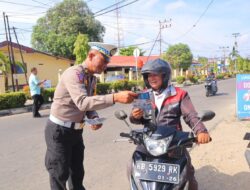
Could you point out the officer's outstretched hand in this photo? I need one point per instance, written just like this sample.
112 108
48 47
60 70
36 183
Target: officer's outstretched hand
96 127
137 113
125 97
203 138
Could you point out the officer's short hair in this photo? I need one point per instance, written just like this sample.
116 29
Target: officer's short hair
33 69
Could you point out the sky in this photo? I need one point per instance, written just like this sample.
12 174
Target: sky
206 26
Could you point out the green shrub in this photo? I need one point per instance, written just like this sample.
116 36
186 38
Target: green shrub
12 100
195 79
48 94
220 76
173 80
132 85
180 79
203 77
192 78
103 88
120 85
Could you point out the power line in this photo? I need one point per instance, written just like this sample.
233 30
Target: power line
24 14
116 8
197 21
110 6
153 45
23 4
139 44
41 3
163 24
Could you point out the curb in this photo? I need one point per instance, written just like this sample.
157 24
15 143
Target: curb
26 109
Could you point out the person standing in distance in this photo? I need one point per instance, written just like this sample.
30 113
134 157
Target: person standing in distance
74 99
35 91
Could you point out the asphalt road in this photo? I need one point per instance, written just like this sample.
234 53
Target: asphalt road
22 145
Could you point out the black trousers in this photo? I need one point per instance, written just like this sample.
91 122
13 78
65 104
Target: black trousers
64 157
37 103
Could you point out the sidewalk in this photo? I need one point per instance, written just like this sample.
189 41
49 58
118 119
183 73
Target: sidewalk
221 164
27 108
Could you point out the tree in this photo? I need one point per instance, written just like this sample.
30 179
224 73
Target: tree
129 51
5 67
81 48
203 61
239 64
57 31
179 56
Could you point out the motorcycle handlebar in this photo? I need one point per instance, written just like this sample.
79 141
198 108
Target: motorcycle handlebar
125 135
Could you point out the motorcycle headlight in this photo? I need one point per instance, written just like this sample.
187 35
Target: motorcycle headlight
157 147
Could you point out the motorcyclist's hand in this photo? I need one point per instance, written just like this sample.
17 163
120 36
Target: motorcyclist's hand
137 113
96 127
125 97
203 138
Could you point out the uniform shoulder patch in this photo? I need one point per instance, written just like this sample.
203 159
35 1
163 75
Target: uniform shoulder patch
80 76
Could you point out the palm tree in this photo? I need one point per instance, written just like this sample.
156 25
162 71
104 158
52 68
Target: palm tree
5 67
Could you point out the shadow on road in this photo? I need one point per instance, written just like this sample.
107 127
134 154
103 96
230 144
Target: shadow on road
210 178
221 94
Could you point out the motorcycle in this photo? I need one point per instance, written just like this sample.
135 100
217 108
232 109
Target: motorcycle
247 152
211 87
159 168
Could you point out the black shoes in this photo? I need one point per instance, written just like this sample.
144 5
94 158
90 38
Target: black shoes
37 115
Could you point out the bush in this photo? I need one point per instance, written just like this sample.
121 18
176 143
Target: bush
203 77
48 94
226 75
220 76
12 100
103 88
192 78
180 79
119 85
173 80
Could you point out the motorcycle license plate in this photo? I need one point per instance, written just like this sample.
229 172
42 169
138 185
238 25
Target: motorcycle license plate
161 172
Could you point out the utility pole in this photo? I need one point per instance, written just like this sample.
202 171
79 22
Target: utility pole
235 35
119 29
235 49
20 50
163 24
12 54
224 49
11 67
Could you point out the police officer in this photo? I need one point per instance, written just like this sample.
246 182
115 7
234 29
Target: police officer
73 100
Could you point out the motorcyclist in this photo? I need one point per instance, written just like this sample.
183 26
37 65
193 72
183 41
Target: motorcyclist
212 77
169 104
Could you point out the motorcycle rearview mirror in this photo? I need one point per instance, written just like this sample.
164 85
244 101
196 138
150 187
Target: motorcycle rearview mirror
207 115
120 114
247 152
